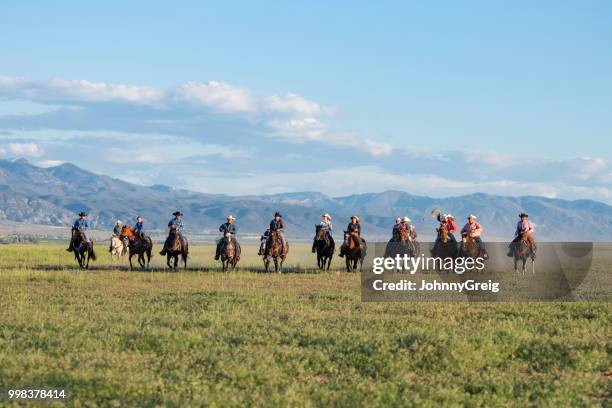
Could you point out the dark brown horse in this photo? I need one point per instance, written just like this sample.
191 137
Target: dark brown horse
276 252
83 251
522 250
469 249
354 252
325 246
230 252
402 244
137 246
177 247
445 247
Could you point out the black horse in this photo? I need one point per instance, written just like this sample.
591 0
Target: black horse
83 250
444 247
521 251
177 246
324 246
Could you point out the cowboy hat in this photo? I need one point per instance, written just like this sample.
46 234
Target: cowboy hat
139 216
326 215
277 214
231 217
405 219
521 215
118 222
177 213
398 219
472 216
82 214
355 217
451 216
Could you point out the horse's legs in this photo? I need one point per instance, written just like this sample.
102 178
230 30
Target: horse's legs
168 260
533 266
524 264
515 264
130 259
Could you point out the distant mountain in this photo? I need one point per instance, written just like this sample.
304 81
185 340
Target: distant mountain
53 196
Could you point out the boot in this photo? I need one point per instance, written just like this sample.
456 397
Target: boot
217 252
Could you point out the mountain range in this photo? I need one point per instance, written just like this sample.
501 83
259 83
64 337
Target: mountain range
53 196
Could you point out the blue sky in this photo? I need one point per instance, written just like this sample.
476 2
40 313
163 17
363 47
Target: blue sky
437 99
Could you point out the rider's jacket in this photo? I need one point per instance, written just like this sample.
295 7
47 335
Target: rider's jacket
526 227
228 228
117 229
139 227
326 225
471 228
179 224
451 226
354 227
278 226
81 225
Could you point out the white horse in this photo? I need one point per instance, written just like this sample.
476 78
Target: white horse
118 248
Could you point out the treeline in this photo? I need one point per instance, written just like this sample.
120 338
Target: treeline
19 239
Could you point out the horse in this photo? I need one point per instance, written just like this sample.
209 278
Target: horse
325 247
354 252
469 249
137 246
118 249
276 252
521 250
444 248
230 252
83 251
405 244
176 248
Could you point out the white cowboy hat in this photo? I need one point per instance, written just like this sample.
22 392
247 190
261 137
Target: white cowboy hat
398 219
326 215
356 217
118 222
405 219
450 216
231 217
472 216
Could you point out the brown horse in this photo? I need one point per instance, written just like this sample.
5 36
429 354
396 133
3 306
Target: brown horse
178 246
354 252
83 251
444 248
276 252
469 249
230 252
325 246
522 250
137 246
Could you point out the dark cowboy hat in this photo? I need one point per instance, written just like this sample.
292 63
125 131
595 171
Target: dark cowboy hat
277 214
521 215
139 216
177 213
82 214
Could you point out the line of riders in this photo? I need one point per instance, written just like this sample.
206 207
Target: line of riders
471 230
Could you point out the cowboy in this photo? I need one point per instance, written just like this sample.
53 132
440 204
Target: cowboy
474 230
447 220
139 227
524 228
325 225
117 233
263 239
227 228
177 222
81 224
353 229
277 225
395 232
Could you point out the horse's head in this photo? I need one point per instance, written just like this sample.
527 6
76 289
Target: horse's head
127 232
319 233
173 230
444 232
403 235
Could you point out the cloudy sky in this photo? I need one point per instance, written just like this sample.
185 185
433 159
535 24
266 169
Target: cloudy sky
511 98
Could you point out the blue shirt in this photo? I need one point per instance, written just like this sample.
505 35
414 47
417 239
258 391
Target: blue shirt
139 227
178 223
81 224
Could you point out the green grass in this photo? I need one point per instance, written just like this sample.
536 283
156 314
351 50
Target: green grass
115 338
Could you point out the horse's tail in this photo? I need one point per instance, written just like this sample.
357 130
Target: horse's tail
92 253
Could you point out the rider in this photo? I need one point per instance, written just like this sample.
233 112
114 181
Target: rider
408 227
395 236
525 227
82 224
353 228
277 225
325 225
474 230
227 228
139 227
178 222
449 221
117 233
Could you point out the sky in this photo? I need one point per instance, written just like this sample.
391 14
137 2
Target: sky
452 98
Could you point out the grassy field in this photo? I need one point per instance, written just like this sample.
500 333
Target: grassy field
200 337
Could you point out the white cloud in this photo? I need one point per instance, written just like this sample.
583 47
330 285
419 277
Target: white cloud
294 104
218 95
21 150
